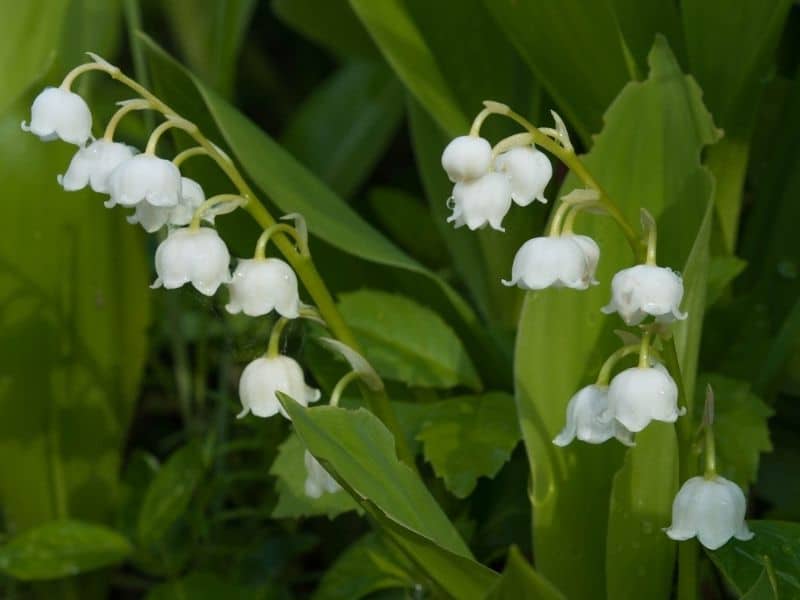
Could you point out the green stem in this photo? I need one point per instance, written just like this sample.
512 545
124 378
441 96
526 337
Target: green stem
378 401
341 385
181 157
263 239
571 160
644 351
604 375
687 551
273 349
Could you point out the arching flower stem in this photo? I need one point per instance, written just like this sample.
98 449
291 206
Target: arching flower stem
604 376
377 400
125 108
274 346
212 202
183 156
341 385
263 239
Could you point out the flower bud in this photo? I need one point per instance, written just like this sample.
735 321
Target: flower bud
467 157
196 256
93 164
565 261
646 290
639 395
260 285
263 377
585 419
318 481
530 172
58 113
152 218
481 201
712 509
145 178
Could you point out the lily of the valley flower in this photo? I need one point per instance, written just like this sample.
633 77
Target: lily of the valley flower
711 508
639 395
467 157
260 285
585 419
480 202
318 480
196 256
152 218
555 261
646 290
145 178
93 164
59 113
529 171
265 376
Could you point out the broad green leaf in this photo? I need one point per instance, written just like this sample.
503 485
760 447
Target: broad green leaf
358 451
290 469
559 41
732 66
563 338
763 589
519 580
294 189
330 23
742 563
368 565
170 492
469 437
342 130
74 307
210 34
205 586
740 427
29 41
62 548
408 221
406 341
404 48
722 271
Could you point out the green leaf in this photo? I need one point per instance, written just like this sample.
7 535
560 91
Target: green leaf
740 427
742 563
519 580
763 589
170 492
407 342
294 189
342 130
61 549
29 40
366 566
330 23
469 437
722 270
74 308
358 451
732 67
563 339
290 469
404 48
569 32
210 34
408 221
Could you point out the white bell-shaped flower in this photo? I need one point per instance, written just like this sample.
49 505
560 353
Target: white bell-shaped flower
196 256
152 218
530 172
93 164
318 480
58 113
563 261
263 377
480 202
712 509
585 419
260 285
145 178
467 157
646 290
639 395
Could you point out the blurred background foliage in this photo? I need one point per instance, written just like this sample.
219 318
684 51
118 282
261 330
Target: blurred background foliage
123 472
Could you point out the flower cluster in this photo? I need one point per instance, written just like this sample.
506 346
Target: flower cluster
159 197
487 179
